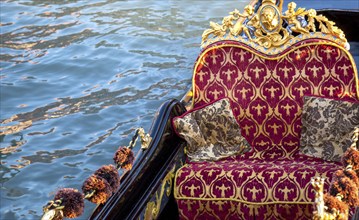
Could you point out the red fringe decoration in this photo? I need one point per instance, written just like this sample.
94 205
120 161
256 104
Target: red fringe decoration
347 188
351 174
124 158
72 200
351 157
334 203
345 183
100 185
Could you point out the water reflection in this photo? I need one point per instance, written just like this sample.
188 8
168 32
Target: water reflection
48 157
77 78
89 104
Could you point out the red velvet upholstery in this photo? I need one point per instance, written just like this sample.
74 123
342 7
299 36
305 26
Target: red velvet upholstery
268 90
272 181
250 188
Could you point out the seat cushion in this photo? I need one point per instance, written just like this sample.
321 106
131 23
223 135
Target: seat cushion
217 186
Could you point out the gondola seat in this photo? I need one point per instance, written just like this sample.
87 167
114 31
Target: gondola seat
267 90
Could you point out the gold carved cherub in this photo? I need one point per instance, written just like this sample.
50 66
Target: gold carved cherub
291 16
217 29
239 27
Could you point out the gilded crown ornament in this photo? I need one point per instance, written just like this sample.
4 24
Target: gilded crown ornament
268 28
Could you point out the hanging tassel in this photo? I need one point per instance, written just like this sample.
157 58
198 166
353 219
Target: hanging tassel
68 203
124 158
335 205
99 187
110 174
96 189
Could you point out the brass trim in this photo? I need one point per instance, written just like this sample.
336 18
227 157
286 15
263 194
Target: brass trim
145 138
355 138
187 99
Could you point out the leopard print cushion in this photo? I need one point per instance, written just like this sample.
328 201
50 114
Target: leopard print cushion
212 132
327 127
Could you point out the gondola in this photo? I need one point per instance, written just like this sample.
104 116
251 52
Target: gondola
162 181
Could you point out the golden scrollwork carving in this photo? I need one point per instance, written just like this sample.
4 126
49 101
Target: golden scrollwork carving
153 207
355 138
145 138
270 28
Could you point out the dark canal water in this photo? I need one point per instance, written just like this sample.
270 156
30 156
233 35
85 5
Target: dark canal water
78 77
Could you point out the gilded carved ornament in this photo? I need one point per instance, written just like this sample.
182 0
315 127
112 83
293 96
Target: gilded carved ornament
269 28
153 207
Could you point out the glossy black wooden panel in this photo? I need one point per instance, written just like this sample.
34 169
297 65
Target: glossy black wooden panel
134 186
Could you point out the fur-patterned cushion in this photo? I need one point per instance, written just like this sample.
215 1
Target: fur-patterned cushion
211 131
327 127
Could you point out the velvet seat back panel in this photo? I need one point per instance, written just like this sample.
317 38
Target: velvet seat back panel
267 90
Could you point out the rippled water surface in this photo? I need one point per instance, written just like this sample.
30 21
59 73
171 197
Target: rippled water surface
78 77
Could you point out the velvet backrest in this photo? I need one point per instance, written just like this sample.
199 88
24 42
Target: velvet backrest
266 90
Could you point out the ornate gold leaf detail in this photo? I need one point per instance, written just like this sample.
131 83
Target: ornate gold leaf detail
270 28
153 207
